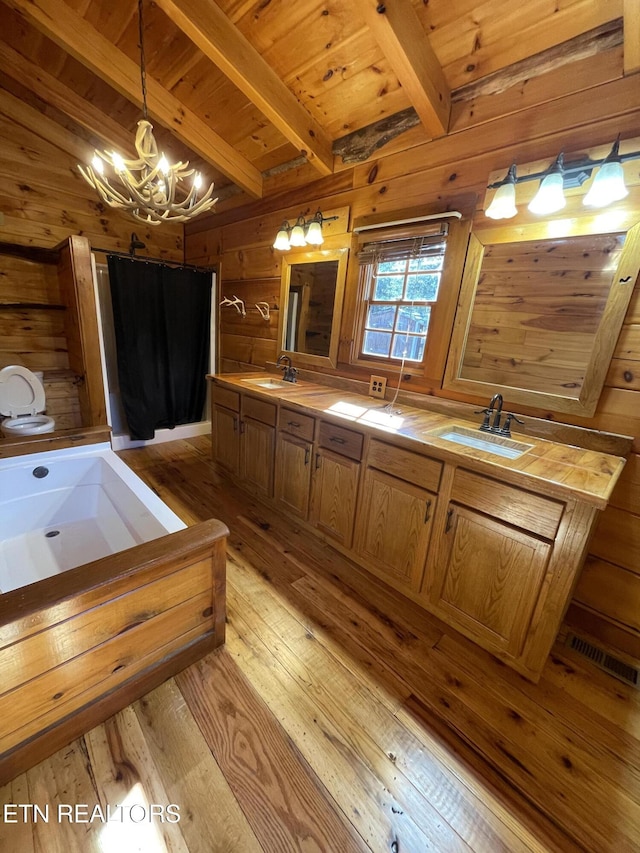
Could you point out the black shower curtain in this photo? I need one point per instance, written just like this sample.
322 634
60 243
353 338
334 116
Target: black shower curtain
162 328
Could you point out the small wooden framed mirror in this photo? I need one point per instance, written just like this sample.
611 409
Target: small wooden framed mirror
311 296
538 317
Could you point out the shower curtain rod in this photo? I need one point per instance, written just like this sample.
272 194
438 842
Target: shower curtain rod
152 260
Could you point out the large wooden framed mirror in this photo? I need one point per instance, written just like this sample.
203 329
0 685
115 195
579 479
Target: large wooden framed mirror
311 296
538 317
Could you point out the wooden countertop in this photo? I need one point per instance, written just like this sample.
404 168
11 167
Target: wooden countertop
550 468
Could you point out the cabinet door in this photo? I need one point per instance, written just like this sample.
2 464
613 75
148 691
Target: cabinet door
293 473
333 495
225 430
393 528
487 578
256 455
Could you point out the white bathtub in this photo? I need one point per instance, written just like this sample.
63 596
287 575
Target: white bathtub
88 505
121 597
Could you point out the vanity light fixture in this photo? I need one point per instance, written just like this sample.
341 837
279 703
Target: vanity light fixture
150 188
303 233
608 184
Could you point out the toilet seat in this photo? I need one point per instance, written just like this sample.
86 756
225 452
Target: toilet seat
22 399
21 392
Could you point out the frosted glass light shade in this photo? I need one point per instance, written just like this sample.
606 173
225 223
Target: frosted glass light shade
282 240
550 195
503 205
314 233
608 186
297 236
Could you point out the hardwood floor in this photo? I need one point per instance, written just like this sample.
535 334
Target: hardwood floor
338 717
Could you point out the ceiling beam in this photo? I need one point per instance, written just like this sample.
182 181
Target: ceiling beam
211 30
72 33
631 12
399 32
34 121
81 111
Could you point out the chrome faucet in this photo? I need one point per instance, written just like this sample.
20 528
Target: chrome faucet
289 372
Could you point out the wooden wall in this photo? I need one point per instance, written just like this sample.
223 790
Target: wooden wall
522 124
43 201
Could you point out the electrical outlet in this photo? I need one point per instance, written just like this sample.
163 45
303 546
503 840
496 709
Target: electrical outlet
377 386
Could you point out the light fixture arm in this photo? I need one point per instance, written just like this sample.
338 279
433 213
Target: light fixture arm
575 167
607 186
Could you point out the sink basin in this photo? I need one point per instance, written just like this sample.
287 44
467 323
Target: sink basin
499 445
270 383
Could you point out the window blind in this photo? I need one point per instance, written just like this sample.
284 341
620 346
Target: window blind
394 249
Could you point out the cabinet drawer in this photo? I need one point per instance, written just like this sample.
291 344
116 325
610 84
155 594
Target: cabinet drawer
516 506
225 397
405 465
296 423
341 440
259 410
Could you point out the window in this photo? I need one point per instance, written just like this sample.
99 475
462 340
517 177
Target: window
400 284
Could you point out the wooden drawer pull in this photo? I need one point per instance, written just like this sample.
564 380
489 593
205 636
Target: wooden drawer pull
306 456
427 511
295 424
235 424
317 461
337 440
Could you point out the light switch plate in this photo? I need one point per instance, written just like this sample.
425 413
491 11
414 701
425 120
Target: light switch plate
377 386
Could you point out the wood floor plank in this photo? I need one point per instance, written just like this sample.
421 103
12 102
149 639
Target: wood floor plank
282 799
353 704
212 819
364 798
64 782
126 774
16 833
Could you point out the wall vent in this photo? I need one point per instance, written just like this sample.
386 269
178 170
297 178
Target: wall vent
618 668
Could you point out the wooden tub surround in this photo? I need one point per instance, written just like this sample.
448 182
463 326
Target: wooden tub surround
78 646
493 546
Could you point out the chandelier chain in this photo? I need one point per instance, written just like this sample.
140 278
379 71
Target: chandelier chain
143 67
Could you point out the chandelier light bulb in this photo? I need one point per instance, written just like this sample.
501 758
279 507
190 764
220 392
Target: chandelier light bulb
118 163
197 181
96 163
163 165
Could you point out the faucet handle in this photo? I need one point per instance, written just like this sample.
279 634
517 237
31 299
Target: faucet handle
506 429
485 426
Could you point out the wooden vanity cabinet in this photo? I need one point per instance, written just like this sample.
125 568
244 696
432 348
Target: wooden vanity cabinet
334 489
257 444
495 572
225 428
395 514
294 451
243 437
496 561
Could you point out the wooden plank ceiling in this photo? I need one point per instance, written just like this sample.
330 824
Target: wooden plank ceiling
246 88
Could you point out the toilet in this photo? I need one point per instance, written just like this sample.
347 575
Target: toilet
22 401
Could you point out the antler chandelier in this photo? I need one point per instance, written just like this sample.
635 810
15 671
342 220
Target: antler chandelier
149 188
